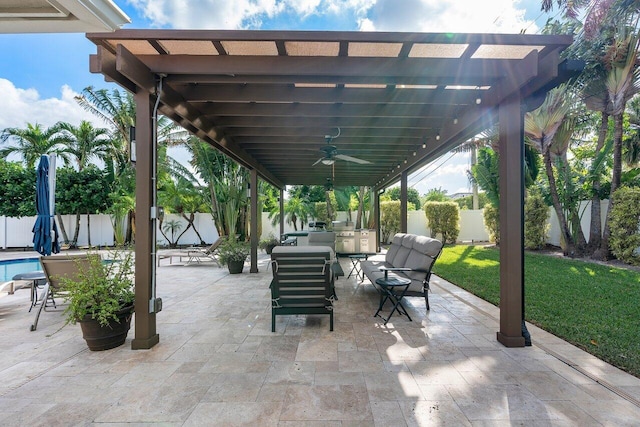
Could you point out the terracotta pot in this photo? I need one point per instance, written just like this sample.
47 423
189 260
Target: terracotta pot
235 267
113 335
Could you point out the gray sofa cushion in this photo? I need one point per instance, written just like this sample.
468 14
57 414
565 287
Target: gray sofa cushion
396 243
406 251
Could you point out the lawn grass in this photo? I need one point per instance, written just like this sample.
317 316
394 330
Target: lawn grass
592 306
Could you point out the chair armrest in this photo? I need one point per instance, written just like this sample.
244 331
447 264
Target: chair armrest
386 270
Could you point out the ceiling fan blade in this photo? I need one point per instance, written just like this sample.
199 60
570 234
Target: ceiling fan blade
352 159
318 161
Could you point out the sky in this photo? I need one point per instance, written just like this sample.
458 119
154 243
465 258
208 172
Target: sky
41 73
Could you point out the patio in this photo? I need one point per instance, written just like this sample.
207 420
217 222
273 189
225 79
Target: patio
218 364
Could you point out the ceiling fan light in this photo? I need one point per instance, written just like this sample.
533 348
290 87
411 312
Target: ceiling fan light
328 162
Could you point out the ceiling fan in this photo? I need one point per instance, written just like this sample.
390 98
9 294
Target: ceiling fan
331 153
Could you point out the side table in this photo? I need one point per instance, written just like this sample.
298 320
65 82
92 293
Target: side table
37 279
355 265
393 288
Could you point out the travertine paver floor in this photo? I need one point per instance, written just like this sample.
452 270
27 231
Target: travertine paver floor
218 363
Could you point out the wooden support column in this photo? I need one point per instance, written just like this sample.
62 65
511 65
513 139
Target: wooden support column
281 200
376 216
511 169
254 221
403 202
145 322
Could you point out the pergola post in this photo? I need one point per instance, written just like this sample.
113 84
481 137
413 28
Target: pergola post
281 200
511 182
145 319
253 193
403 201
376 216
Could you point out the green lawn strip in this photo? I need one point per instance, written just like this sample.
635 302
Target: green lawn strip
592 306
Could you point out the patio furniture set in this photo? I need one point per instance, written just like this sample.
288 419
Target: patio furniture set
303 282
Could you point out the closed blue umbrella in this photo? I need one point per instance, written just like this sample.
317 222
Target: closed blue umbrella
45 231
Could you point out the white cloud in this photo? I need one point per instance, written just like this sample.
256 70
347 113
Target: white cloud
22 106
502 16
468 16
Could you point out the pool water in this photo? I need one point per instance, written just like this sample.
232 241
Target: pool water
11 267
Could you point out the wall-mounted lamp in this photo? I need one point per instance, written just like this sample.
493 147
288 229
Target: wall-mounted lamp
405 161
248 190
455 120
132 144
414 154
438 136
478 98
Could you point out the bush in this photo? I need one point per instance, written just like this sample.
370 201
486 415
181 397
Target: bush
443 219
536 215
491 217
624 225
320 211
389 219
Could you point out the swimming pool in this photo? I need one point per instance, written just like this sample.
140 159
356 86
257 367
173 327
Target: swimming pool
11 267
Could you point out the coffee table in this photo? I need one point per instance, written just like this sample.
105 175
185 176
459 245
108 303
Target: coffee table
393 289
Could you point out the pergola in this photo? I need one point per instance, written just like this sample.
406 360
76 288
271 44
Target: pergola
267 99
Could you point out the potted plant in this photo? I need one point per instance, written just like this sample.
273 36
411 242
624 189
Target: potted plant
269 243
100 295
233 254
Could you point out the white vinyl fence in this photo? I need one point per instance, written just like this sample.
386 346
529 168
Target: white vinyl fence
16 232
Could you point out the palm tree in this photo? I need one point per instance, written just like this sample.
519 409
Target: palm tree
84 143
540 128
296 209
33 142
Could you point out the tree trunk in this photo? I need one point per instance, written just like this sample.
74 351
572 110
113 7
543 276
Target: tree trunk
191 224
604 251
74 242
361 192
595 228
89 230
63 231
576 226
329 208
569 248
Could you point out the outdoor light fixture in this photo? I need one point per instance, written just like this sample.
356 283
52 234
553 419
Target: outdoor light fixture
438 137
132 144
328 161
414 154
248 190
455 120
478 98
405 161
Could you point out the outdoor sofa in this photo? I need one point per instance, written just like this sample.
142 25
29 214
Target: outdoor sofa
409 256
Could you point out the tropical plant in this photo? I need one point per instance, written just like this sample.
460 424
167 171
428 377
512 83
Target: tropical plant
232 250
100 290
18 190
443 218
82 192
541 126
296 209
31 143
491 216
172 227
389 219
625 225
536 215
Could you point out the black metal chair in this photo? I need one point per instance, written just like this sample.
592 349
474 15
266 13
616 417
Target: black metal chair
302 282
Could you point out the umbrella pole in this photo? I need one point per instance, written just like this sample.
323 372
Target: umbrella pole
52 197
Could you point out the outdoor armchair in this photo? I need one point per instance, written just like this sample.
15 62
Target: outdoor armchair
302 282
